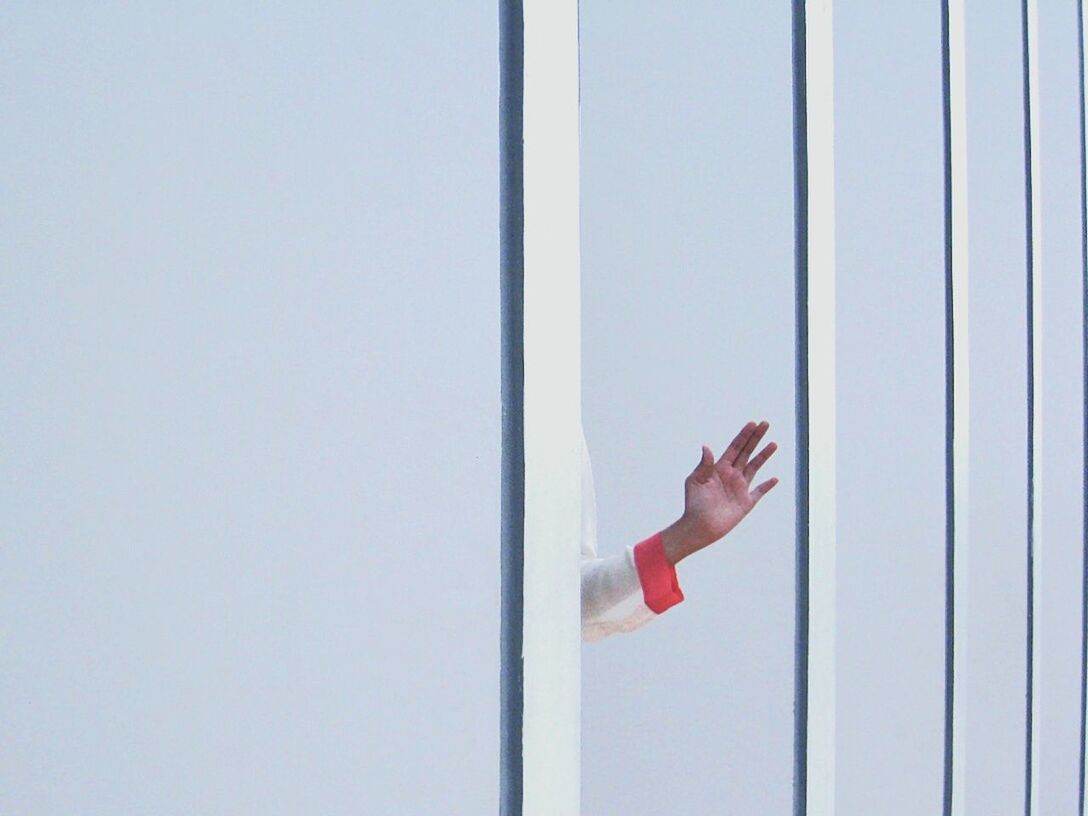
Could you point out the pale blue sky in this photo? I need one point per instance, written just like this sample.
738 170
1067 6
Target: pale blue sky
251 355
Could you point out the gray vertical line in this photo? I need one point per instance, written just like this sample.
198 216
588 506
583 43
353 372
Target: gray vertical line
800 248
1084 448
1028 747
512 306
949 418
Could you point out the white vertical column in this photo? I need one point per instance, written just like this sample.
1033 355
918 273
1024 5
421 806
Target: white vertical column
1035 379
815 158
956 169
552 411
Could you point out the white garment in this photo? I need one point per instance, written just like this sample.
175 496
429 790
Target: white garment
615 593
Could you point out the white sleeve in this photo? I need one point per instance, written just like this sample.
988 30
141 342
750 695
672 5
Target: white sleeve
625 591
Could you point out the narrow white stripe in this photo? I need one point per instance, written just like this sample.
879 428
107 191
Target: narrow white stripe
553 454
819 67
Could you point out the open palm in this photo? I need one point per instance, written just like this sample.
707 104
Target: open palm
717 495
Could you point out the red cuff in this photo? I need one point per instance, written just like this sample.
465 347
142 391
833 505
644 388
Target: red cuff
660 588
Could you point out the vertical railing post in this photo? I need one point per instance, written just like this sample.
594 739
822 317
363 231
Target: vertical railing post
957 403
1032 197
541 397
512 481
1082 49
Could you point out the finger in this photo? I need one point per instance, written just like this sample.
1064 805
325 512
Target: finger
750 445
737 443
705 467
762 490
757 463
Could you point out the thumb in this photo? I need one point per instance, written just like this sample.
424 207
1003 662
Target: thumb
706 464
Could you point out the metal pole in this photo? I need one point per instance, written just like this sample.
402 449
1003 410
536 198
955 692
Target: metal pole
1030 33
511 286
1082 43
541 383
957 405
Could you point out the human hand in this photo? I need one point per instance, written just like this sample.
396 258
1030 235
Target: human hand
717 495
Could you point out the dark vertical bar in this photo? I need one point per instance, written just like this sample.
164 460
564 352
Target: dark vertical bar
511 286
800 248
949 420
1084 353
1031 410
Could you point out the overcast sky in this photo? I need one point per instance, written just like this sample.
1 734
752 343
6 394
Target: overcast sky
251 407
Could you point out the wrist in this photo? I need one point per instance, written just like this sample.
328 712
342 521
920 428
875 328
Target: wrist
679 540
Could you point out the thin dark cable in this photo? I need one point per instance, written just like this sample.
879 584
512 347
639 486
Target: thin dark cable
949 420
1026 54
1084 449
800 248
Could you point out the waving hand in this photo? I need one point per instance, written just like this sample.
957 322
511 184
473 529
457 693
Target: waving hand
718 495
